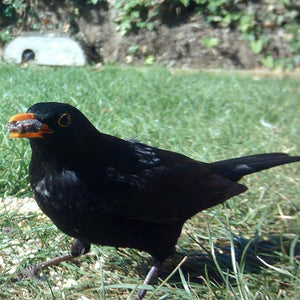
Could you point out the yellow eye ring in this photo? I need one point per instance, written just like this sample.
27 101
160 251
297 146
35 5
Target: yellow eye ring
64 120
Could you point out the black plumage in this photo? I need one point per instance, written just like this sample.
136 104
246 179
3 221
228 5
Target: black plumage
101 189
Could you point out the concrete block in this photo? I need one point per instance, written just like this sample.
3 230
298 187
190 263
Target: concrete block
45 49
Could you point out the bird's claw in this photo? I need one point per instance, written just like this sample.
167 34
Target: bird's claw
30 272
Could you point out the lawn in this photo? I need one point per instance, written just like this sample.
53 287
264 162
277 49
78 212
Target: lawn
248 248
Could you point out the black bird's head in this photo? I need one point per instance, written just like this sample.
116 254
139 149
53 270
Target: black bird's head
56 125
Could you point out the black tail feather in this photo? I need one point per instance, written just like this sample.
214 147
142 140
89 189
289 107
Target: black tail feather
235 168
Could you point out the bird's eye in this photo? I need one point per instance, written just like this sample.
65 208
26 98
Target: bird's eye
64 120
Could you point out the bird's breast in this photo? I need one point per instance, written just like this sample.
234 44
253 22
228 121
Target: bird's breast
66 200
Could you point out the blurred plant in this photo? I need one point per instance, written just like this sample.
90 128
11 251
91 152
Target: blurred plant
255 20
5 36
210 42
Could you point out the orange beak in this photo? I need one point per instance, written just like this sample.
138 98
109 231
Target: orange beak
25 125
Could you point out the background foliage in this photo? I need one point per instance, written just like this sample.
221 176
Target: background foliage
256 21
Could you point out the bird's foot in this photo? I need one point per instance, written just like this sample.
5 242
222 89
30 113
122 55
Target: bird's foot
30 272
78 248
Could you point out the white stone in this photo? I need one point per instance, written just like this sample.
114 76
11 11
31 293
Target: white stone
48 48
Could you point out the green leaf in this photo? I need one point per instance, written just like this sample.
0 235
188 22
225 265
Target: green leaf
246 22
210 42
93 1
268 61
150 59
133 49
135 14
257 46
150 26
185 2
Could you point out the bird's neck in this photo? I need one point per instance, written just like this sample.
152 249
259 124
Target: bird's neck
43 156
98 151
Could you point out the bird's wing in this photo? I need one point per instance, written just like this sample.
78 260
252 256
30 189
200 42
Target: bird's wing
158 186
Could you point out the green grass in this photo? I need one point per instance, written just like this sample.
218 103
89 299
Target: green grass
247 248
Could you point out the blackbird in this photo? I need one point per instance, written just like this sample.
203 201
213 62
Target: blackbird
105 190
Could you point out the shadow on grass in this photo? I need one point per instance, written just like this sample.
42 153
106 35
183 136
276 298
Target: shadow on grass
251 256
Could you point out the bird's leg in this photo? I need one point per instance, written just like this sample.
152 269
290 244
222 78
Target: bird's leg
78 248
152 274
